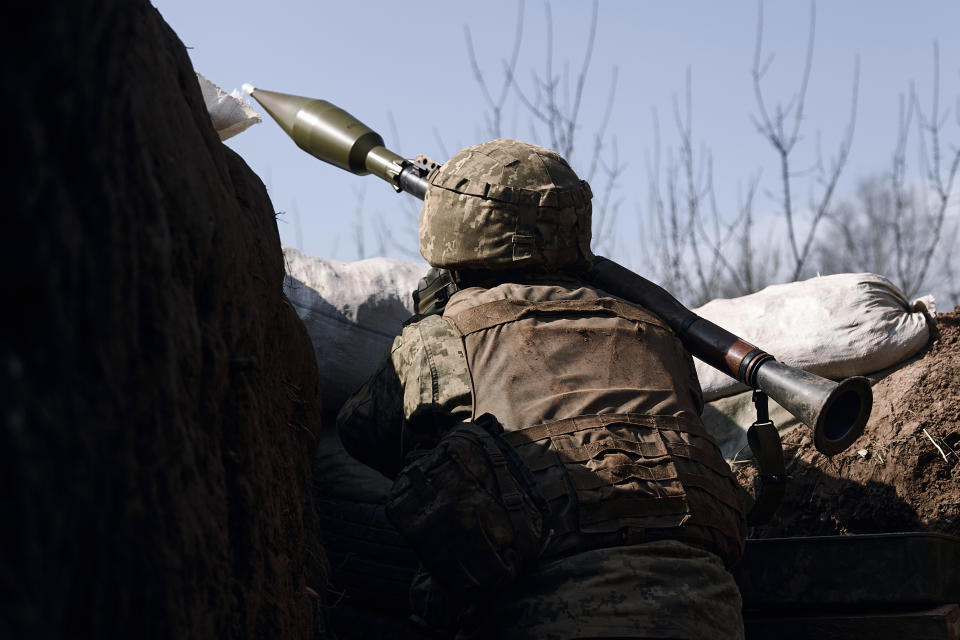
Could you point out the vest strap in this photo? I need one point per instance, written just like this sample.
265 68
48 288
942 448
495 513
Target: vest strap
491 314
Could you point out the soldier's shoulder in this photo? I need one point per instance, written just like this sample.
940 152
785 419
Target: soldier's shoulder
425 325
432 333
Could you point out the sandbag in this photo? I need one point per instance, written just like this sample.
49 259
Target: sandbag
834 326
230 113
352 311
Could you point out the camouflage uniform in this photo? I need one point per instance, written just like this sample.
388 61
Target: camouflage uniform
596 395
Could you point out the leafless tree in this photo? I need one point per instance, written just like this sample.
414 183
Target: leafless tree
896 226
553 100
496 99
950 276
678 196
701 252
697 251
892 225
781 127
552 104
940 171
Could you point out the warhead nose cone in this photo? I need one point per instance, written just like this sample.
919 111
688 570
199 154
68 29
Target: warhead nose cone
282 107
329 133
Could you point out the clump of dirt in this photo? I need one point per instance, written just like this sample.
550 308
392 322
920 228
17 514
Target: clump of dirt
903 474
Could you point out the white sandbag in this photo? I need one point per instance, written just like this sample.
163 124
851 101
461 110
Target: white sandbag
230 113
835 326
352 311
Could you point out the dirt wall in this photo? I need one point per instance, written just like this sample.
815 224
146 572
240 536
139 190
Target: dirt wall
159 394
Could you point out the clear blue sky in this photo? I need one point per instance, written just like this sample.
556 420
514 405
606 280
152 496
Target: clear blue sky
408 62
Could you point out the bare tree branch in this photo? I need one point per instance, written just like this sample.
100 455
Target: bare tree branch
510 65
783 137
830 184
941 181
899 228
602 129
359 195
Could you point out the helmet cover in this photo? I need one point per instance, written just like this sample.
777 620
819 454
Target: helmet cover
506 204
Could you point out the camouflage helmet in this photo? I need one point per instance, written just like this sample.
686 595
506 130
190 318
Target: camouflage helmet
506 204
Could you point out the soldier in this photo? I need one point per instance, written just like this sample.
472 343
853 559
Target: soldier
637 516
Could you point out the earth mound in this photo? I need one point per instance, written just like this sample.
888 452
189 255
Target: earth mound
903 474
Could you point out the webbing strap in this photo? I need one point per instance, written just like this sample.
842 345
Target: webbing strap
764 441
713 460
513 475
579 423
585 478
647 450
577 195
491 314
509 492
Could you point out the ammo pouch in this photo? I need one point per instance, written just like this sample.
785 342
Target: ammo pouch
470 510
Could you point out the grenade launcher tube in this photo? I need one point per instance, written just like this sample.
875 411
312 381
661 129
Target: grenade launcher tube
837 412
713 344
333 135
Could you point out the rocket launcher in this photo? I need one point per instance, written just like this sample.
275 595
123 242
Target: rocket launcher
837 412
329 133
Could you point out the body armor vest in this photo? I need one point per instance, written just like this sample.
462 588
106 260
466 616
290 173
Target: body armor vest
602 403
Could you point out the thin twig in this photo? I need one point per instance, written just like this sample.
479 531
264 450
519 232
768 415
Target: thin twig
934 443
510 65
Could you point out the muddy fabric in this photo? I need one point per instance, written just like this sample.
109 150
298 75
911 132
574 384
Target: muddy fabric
663 589
616 479
600 400
506 204
542 353
420 388
469 510
619 452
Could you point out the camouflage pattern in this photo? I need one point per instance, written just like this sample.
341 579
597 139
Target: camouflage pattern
657 589
421 387
599 399
460 505
663 589
506 204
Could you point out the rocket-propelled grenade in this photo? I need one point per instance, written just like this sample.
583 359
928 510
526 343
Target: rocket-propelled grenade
329 133
836 412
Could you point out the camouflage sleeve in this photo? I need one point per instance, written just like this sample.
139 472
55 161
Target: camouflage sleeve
420 389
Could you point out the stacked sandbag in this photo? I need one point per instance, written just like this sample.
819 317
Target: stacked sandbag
352 311
850 324
835 326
